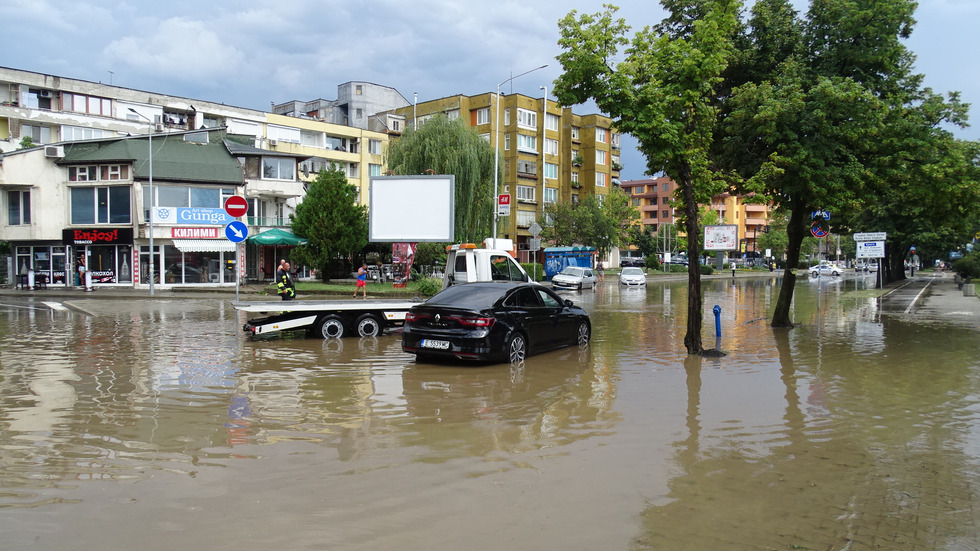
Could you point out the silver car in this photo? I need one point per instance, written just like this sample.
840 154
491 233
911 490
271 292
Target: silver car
574 277
632 277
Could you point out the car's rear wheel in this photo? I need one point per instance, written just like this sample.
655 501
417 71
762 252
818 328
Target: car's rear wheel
516 348
583 334
330 327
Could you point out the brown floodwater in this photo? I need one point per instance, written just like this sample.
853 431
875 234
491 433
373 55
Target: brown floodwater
157 425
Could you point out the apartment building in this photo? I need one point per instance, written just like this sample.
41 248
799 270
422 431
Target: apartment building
549 154
653 197
46 110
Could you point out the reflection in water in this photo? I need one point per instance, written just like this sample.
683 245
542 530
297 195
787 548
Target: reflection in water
850 431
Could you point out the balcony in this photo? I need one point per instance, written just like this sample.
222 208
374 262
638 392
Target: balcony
269 221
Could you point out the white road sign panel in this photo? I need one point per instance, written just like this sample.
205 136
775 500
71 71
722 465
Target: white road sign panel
871 249
871 236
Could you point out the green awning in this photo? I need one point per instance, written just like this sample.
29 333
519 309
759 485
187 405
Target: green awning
275 236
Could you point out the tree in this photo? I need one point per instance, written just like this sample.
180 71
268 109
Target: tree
443 146
600 224
331 221
663 92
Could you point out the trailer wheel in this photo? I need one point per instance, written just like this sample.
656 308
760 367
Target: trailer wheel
367 326
330 327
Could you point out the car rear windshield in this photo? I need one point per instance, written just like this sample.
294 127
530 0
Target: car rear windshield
472 296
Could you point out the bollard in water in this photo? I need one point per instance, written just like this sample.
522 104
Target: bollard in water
717 311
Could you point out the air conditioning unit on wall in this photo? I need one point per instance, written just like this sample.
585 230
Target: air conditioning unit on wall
54 151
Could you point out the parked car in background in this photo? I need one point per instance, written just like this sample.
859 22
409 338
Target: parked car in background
632 261
574 277
825 269
866 267
632 277
496 321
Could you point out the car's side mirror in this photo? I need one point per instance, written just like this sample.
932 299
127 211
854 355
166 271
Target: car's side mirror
568 302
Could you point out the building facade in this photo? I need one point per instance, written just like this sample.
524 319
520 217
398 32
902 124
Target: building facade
548 154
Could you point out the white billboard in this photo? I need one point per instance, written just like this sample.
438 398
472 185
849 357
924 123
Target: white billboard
412 208
721 238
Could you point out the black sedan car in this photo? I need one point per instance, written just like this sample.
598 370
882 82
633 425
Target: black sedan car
498 321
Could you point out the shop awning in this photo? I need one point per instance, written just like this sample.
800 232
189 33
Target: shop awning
275 236
205 245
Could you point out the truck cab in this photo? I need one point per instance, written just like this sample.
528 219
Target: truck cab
465 263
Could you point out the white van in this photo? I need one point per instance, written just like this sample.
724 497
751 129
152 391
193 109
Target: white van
465 263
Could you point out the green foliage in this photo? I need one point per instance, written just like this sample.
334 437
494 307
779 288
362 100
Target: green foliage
707 269
589 222
26 142
331 221
428 286
969 266
534 271
430 254
443 146
652 262
676 268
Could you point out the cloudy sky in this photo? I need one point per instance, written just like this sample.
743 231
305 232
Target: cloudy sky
252 53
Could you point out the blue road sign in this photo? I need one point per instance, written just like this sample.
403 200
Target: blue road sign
236 231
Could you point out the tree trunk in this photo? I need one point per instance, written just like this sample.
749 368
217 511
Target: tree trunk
795 232
692 340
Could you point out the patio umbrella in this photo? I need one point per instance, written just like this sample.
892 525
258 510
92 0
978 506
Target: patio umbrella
276 237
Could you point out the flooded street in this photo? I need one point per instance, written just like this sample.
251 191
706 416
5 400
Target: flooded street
158 425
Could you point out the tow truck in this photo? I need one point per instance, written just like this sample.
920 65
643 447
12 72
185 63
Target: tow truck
331 319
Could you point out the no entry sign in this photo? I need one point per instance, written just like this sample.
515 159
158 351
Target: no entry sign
236 206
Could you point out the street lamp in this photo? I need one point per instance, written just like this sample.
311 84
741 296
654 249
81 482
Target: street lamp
149 134
496 148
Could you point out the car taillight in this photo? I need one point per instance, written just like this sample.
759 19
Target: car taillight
476 322
412 318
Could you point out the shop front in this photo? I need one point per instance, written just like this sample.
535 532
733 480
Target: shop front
197 254
106 252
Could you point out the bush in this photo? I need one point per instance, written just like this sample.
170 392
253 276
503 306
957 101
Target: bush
706 269
968 267
677 268
530 269
429 286
652 262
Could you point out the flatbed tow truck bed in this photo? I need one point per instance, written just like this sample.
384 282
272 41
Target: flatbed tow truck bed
326 318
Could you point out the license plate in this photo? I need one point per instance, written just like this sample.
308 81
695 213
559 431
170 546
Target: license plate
437 344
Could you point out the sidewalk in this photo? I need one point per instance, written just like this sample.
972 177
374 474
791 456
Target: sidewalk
944 300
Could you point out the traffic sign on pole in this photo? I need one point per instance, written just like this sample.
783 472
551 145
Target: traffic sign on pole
236 231
503 204
871 236
236 206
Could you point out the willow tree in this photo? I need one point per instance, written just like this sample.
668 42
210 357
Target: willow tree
444 146
662 92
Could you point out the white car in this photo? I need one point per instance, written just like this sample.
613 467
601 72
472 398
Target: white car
825 269
632 277
574 277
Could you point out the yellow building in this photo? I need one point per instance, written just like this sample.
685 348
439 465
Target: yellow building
548 154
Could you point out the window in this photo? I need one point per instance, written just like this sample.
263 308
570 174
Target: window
600 157
575 177
615 140
527 119
374 147
335 144
358 113
551 122
663 186
600 179
91 105
550 195
527 167
550 146
374 170
100 205
114 172
601 199
75 133
638 190
358 89
575 133
525 194
38 134
507 117
525 218
551 171
18 207
665 200
83 173
452 114
284 134
665 214
278 168
527 143
483 116
601 135
506 142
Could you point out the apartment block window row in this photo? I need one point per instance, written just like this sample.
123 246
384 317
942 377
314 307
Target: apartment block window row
37 133
482 116
527 144
527 119
525 218
95 173
374 147
550 146
600 157
525 194
76 133
550 195
527 168
551 171
600 179
551 122
89 105
278 168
